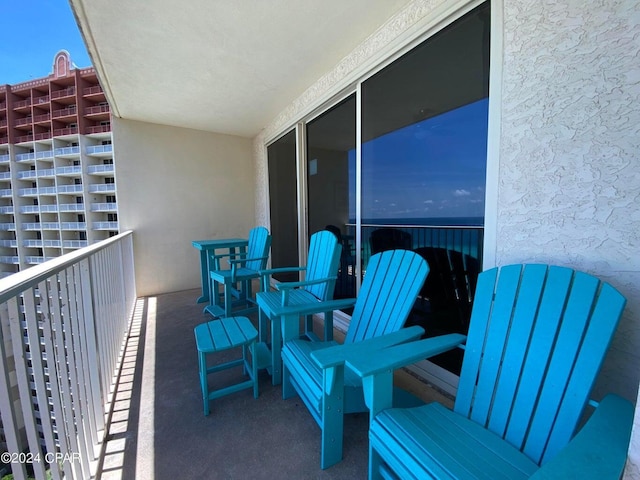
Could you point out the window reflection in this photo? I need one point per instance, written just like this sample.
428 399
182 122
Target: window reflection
424 150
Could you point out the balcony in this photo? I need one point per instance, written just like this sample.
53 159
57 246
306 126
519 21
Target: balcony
100 150
73 151
66 92
104 207
99 129
102 188
124 390
25 157
110 226
5 158
104 170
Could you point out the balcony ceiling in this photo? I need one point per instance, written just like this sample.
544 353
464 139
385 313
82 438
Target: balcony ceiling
226 66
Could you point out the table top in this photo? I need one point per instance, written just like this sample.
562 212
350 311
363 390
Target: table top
219 243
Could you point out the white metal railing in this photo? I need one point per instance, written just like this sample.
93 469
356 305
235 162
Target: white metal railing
102 187
95 149
64 323
96 169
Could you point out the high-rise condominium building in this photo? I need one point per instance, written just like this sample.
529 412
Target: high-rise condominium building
57 184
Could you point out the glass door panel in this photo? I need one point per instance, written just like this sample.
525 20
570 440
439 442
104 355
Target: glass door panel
283 204
424 153
331 143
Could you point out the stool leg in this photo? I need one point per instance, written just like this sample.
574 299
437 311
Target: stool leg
244 359
254 369
202 360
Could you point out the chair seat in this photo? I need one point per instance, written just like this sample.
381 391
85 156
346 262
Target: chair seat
433 439
224 276
271 302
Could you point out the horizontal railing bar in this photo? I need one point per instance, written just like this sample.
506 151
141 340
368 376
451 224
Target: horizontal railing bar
391 225
16 283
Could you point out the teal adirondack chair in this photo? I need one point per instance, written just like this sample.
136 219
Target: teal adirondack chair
315 370
283 307
236 280
537 339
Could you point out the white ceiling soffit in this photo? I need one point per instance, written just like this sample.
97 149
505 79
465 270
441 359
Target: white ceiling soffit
227 66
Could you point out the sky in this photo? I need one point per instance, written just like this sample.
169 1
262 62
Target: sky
35 32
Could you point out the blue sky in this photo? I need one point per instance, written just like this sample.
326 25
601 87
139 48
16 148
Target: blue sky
35 32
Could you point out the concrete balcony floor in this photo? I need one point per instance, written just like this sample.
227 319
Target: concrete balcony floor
158 430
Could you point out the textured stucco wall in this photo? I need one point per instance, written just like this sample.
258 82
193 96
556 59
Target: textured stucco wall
567 162
569 181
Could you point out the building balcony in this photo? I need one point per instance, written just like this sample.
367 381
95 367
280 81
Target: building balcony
44 154
102 188
98 129
45 117
110 226
64 112
75 188
7 210
70 171
73 226
6 193
104 207
66 92
71 207
5 175
25 157
97 109
61 132
10 259
5 158
100 150
95 90
7 227
24 138
67 151
11 243
102 170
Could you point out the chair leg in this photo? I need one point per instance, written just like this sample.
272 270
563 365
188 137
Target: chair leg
375 462
202 365
333 421
288 391
227 299
254 369
276 352
262 326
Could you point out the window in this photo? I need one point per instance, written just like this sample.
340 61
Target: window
424 150
283 204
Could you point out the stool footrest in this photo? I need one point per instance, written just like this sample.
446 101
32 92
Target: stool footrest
230 389
231 364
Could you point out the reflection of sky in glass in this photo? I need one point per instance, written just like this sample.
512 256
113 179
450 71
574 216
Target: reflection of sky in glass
431 169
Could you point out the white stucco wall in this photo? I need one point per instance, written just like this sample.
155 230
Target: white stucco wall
193 185
565 145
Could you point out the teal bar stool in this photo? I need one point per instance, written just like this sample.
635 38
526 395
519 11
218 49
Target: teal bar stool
224 334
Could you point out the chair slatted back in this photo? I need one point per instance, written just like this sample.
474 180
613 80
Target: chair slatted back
323 262
388 292
537 339
259 243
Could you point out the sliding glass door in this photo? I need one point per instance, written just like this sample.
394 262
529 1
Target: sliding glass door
411 176
283 204
424 151
331 144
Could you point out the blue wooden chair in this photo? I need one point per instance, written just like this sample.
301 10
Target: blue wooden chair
283 307
537 338
236 280
315 370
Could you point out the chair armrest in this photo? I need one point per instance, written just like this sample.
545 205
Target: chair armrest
266 273
286 287
271 271
376 371
338 354
397 356
242 260
317 307
599 450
